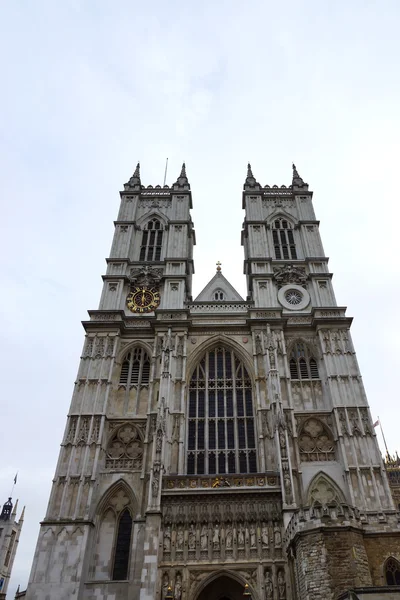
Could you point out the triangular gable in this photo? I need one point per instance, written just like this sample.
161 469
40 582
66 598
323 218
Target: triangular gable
219 283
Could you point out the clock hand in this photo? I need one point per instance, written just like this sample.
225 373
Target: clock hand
143 298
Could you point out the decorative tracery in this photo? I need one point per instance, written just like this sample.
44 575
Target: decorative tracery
315 441
125 449
221 435
392 571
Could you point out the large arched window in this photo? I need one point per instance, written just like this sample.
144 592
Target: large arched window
284 245
392 571
221 436
122 546
302 364
135 370
150 249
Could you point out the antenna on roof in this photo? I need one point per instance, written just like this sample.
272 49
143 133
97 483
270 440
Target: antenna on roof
165 174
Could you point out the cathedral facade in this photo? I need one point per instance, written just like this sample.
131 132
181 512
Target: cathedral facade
217 446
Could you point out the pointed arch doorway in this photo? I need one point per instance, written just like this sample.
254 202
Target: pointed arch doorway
222 587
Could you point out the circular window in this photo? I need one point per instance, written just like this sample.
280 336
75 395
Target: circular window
293 297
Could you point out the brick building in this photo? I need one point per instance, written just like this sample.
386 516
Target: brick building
218 442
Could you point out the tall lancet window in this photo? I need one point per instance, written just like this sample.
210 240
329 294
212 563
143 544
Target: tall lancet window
284 245
221 430
152 236
302 364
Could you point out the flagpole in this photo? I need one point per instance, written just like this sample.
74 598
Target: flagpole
13 485
384 439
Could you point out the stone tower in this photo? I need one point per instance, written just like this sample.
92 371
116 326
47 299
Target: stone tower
10 530
217 443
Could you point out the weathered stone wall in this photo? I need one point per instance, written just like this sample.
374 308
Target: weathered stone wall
379 548
330 562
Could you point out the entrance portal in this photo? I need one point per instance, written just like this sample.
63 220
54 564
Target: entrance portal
222 588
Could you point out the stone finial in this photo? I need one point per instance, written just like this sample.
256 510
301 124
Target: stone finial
134 181
297 181
218 266
182 181
251 181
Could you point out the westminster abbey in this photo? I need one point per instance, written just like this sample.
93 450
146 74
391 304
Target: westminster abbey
218 447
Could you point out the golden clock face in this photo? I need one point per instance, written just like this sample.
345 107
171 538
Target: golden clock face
143 300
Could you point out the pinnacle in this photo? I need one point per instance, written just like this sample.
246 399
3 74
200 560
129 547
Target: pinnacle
135 179
297 181
251 181
182 180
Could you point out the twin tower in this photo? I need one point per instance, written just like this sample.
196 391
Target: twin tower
217 446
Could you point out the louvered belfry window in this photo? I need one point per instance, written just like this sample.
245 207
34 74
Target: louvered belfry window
283 238
122 547
135 370
221 430
302 364
152 236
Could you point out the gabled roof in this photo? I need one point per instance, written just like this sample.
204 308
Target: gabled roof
219 283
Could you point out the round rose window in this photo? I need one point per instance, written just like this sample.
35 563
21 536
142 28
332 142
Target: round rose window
293 297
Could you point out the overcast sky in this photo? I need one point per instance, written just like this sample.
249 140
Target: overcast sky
89 88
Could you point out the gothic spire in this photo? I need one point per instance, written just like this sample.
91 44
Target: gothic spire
135 179
297 181
182 181
251 181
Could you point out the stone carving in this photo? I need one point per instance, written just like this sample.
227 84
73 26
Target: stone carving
167 539
125 449
287 484
290 274
94 436
259 349
155 484
281 584
192 538
83 432
88 348
165 585
366 422
252 536
269 586
264 535
179 539
204 538
99 347
241 536
109 346
315 441
145 276
343 423
73 421
323 492
178 587
119 501
215 538
354 423
229 537
277 536
282 441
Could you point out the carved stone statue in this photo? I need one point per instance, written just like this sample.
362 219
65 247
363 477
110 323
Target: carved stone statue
252 536
165 584
281 585
216 537
265 535
241 536
192 538
179 539
229 537
178 587
269 586
167 539
277 535
204 538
